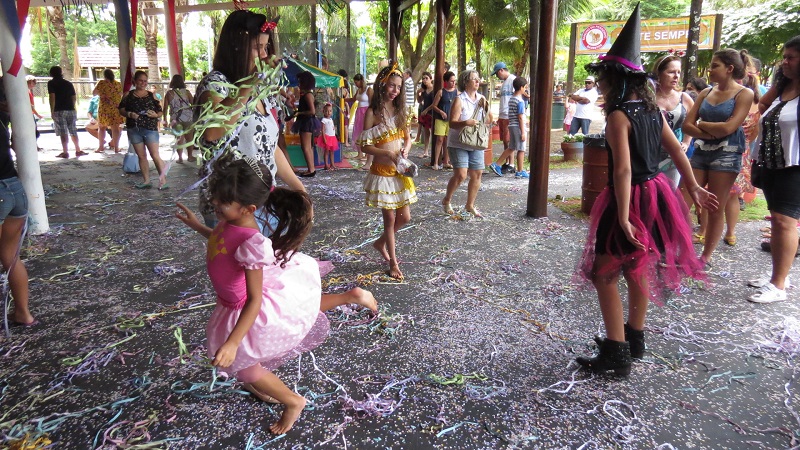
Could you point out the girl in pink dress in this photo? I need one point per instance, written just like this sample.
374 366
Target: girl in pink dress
269 295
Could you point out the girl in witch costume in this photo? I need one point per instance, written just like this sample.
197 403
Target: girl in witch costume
640 226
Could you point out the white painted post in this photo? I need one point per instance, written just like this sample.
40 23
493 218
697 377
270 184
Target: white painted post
24 132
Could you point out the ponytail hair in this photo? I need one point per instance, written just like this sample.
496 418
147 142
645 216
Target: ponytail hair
735 58
295 215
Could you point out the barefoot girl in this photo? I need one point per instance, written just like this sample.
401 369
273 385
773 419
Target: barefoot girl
385 131
268 294
639 225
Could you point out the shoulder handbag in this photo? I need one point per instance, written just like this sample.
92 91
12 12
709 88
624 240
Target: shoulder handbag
757 174
130 163
476 136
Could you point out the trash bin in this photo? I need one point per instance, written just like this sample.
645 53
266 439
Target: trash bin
558 116
595 170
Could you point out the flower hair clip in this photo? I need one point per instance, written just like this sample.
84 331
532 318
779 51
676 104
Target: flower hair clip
678 53
268 26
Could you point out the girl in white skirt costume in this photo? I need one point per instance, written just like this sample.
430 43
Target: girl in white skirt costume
386 137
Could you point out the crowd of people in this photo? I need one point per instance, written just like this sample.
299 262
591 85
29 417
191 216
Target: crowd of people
661 139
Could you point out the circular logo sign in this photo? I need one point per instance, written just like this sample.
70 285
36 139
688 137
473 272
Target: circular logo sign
594 37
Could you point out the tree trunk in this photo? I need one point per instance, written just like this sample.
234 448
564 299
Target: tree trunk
477 34
55 15
150 27
690 68
418 57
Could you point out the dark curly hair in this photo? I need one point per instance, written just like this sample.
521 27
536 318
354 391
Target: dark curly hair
295 215
780 80
234 180
622 84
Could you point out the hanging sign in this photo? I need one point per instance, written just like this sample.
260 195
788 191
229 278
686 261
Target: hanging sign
657 35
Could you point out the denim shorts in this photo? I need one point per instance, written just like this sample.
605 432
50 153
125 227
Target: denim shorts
13 201
466 159
782 191
716 160
138 135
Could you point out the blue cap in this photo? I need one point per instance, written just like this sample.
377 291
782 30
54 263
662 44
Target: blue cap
498 67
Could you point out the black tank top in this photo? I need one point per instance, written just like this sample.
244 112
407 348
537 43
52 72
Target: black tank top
644 142
7 169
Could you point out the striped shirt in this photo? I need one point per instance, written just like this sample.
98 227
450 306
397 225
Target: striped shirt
516 106
408 86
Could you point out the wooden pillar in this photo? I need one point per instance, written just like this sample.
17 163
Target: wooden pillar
394 28
24 131
348 49
314 58
462 35
571 62
540 126
442 7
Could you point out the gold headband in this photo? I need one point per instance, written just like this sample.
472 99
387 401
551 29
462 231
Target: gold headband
392 71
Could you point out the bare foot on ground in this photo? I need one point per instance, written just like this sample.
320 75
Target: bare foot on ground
394 271
380 246
290 415
364 298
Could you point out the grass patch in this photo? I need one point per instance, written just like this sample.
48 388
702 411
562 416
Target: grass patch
754 211
571 206
557 162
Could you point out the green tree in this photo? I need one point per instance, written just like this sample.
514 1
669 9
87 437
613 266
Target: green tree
762 29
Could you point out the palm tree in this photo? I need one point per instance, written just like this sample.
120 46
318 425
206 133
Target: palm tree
55 15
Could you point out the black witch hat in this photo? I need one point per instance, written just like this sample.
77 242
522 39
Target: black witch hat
626 48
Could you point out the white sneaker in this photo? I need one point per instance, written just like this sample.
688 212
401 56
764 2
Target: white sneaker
763 281
768 294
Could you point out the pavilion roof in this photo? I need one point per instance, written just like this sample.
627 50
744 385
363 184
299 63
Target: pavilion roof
109 57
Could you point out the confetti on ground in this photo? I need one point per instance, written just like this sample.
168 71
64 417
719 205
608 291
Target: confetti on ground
473 350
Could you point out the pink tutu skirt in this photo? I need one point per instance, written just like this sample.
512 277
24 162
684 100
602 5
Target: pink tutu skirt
358 124
327 143
662 220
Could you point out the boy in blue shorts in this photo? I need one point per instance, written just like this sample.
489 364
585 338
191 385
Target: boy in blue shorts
517 131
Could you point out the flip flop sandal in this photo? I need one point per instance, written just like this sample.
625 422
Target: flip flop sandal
730 240
698 239
448 209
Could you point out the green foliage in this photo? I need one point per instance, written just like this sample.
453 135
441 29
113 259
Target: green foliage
762 29
622 9
195 60
93 28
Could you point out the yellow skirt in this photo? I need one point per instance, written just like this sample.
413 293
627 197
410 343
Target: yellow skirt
387 189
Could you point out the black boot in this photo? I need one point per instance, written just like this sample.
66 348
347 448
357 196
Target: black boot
613 355
636 339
